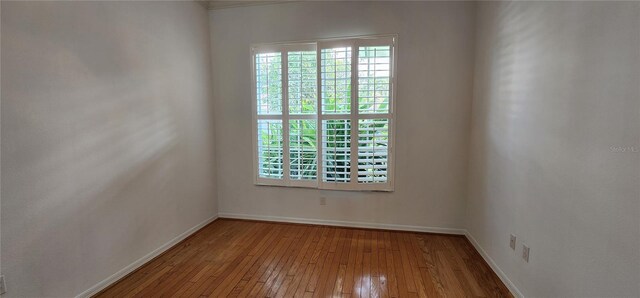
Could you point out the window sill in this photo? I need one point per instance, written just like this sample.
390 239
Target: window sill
313 184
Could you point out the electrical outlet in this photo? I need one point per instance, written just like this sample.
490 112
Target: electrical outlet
512 242
3 287
323 201
525 253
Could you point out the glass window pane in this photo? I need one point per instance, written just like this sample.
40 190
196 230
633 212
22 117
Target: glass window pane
336 80
270 147
303 149
374 68
373 150
336 150
302 68
269 83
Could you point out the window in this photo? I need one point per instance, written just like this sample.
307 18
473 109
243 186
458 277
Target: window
324 113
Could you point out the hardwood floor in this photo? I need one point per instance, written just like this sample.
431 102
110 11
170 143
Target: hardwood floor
237 258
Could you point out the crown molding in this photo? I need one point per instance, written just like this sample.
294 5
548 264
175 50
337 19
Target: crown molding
223 4
203 3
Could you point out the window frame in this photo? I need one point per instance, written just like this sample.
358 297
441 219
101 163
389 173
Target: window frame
354 115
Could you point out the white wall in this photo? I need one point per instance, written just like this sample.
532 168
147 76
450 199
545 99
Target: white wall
435 53
107 148
557 85
107 142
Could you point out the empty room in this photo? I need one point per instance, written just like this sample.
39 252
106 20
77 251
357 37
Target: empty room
319 148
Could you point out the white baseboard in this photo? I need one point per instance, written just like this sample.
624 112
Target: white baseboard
512 287
340 223
135 265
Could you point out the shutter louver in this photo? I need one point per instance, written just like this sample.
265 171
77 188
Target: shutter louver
270 152
373 79
303 149
336 151
373 153
302 82
269 83
336 80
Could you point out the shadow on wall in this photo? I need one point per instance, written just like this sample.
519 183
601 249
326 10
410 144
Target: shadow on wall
554 90
500 94
78 130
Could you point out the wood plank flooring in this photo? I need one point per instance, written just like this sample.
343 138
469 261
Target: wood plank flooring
238 258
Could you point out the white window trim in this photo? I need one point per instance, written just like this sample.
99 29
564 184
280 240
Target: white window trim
354 116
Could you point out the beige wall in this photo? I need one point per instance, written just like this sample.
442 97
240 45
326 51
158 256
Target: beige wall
107 148
557 85
435 53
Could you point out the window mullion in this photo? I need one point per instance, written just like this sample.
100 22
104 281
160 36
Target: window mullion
302 117
374 116
285 118
319 123
254 125
354 114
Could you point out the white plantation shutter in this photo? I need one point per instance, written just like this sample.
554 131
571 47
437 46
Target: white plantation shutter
336 151
373 150
323 114
374 96
335 79
270 148
374 79
302 88
302 148
269 83
270 141
285 121
335 106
